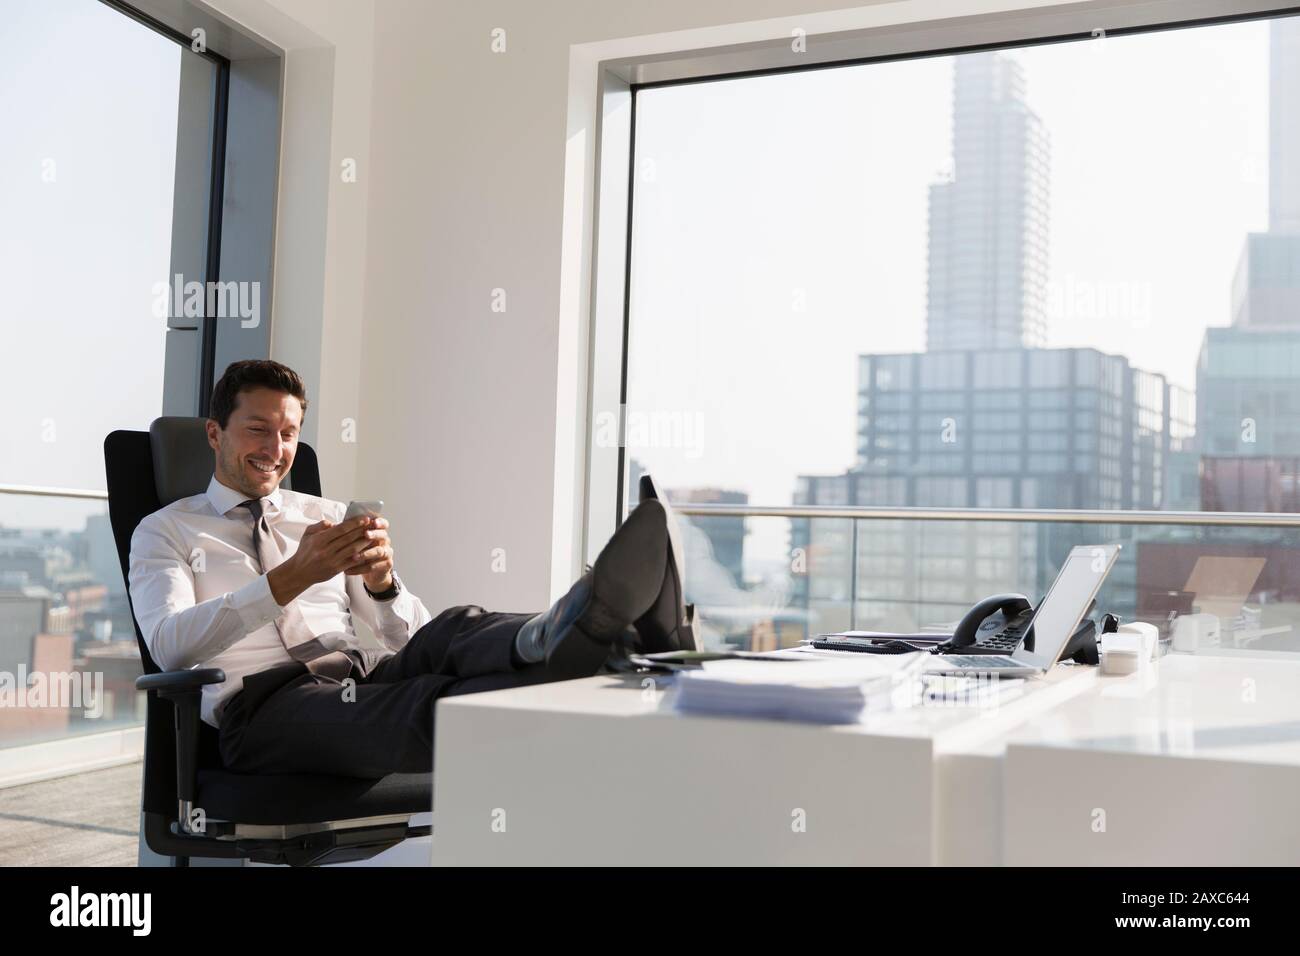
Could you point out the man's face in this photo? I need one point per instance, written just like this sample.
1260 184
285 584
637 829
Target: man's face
256 448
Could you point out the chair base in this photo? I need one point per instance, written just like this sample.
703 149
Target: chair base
338 843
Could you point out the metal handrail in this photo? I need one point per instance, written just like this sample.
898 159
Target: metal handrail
1248 519
47 492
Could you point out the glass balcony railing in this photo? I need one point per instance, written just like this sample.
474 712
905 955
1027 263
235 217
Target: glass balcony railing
763 578
68 653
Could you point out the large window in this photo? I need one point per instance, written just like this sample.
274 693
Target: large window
1054 276
105 187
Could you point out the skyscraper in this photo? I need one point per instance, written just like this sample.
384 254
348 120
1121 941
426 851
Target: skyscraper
1248 375
1284 126
988 238
1266 289
986 417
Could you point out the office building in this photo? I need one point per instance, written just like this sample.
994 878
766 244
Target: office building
1013 428
986 417
1237 483
1284 126
1248 373
718 543
726 536
1248 392
1003 429
988 224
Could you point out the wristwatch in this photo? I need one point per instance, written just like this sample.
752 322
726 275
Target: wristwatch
393 590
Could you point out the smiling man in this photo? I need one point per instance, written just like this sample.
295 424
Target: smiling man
263 582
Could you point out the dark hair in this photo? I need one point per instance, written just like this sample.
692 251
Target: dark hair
253 373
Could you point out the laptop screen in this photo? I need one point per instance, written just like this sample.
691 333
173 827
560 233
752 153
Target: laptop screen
1080 579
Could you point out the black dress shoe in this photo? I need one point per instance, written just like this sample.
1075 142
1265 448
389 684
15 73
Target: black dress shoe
578 631
667 625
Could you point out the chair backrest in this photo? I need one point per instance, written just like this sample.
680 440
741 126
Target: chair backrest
146 470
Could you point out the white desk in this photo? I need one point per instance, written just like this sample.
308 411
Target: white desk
1194 763
590 772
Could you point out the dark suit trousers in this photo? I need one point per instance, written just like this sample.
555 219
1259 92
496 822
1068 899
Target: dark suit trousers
288 720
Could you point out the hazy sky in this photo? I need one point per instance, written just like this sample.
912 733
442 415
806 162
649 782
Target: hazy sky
755 193
89 97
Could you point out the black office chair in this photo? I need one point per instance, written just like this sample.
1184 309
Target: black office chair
294 819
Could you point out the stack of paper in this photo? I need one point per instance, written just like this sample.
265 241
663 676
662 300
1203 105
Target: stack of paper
817 689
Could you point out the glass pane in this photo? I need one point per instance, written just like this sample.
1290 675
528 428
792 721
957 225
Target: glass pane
1206 589
68 652
90 101
890 269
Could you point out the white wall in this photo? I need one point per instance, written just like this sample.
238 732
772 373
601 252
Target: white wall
320 249
475 174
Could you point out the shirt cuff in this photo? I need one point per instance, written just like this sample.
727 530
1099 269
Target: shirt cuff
255 604
395 614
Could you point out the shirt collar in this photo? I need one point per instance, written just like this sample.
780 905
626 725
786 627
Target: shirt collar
225 499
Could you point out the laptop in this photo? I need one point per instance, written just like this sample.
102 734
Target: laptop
1056 619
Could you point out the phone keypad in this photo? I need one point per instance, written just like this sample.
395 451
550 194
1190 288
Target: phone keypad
1004 642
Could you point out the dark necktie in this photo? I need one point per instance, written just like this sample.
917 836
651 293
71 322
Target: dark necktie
296 635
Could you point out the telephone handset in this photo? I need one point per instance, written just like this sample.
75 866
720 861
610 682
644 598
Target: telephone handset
996 625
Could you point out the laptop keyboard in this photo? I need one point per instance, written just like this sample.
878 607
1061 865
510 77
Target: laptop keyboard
989 662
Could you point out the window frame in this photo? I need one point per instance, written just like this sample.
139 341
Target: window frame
218 119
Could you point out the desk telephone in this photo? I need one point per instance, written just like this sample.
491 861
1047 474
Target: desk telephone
999 624
996 625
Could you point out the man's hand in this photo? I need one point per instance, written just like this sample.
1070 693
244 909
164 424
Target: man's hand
325 550
375 563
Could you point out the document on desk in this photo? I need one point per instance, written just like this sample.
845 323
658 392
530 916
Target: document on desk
824 690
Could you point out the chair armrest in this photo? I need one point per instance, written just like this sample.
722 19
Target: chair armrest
184 689
180 680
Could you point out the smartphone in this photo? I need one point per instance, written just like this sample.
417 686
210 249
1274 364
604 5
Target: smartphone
374 508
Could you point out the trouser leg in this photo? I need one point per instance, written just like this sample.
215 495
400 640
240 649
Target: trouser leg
464 641
290 721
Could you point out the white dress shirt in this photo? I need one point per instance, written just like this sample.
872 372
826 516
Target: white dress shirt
202 601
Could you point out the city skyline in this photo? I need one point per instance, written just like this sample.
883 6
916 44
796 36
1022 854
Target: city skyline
1114 310
988 418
